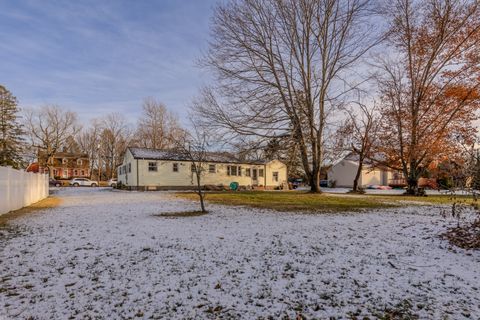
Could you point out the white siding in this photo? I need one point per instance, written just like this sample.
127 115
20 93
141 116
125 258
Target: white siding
125 177
275 166
343 173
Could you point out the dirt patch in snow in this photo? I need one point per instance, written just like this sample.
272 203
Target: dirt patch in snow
183 214
466 236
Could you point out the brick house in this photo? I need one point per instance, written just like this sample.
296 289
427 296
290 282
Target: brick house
65 165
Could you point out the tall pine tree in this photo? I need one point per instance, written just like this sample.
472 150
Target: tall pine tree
11 140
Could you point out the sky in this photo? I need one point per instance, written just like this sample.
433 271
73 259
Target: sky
97 57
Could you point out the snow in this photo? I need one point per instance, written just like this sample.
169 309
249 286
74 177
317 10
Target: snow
103 254
158 154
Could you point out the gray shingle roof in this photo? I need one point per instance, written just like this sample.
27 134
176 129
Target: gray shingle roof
172 155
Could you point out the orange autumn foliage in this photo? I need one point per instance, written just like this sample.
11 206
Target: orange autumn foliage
431 95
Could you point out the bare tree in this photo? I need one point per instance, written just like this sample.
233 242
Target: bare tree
361 130
430 90
281 69
115 137
49 128
193 146
89 141
157 127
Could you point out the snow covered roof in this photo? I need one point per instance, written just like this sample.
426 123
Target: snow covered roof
165 154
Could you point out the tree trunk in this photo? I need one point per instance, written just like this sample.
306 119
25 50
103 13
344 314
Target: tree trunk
412 182
412 187
200 192
357 177
315 180
202 204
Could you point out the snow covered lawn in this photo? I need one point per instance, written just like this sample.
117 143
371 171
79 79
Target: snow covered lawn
104 255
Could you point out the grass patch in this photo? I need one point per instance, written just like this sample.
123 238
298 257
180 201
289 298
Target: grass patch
183 214
304 201
47 203
291 201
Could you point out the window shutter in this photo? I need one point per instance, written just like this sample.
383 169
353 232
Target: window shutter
228 170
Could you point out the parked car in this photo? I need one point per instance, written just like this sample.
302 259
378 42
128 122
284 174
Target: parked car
77 182
325 184
295 183
112 183
54 183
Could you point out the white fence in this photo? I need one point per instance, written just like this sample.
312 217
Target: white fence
19 189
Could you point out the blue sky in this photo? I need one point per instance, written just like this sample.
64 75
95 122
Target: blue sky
96 57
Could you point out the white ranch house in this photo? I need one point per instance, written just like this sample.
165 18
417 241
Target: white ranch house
151 169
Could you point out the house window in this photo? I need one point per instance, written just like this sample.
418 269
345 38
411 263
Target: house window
175 167
79 162
64 161
248 172
82 172
192 167
275 176
234 170
211 168
54 172
75 172
260 172
129 167
152 166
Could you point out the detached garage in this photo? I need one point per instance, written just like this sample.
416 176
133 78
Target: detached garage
342 173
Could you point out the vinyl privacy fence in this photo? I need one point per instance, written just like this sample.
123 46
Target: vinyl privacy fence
19 189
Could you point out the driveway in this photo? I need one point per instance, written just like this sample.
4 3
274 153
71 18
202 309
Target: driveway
103 254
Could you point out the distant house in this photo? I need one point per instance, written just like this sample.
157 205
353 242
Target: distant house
63 165
344 171
151 169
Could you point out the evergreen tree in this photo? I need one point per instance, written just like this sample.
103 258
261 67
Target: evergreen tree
11 140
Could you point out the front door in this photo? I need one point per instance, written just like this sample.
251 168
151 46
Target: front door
254 177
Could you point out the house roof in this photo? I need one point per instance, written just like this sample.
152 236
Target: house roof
368 162
66 155
33 167
172 155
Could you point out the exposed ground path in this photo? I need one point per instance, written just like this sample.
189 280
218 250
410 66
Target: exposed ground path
102 254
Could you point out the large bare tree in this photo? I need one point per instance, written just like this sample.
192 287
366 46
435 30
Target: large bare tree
430 83
157 128
282 68
89 142
115 137
49 128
